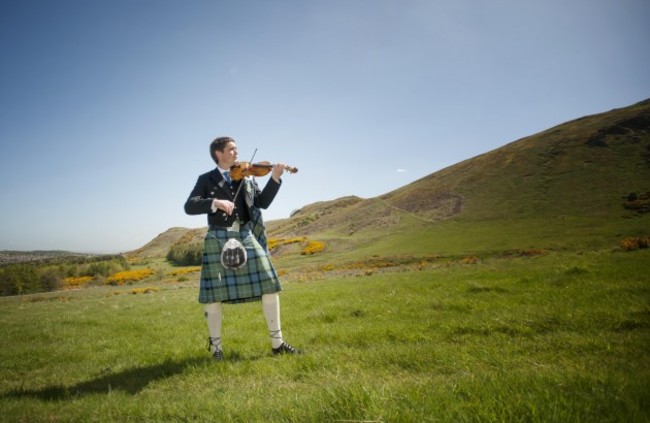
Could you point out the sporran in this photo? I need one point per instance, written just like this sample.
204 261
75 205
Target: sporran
233 255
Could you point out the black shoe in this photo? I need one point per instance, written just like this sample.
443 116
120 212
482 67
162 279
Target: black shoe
218 355
216 343
285 349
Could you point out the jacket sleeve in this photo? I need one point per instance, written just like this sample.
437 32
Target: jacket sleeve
198 202
265 198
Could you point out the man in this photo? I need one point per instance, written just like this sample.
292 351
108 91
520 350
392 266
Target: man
234 212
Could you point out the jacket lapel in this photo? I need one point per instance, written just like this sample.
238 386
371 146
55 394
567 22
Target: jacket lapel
220 182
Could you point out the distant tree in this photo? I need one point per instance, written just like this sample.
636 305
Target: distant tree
51 280
186 254
19 279
48 275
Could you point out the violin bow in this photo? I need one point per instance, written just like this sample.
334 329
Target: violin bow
241 184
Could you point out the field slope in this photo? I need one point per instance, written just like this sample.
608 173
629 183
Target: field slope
561 337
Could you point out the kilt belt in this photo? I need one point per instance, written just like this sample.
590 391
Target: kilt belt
237 224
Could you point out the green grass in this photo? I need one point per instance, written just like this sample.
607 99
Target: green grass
562 337
467 237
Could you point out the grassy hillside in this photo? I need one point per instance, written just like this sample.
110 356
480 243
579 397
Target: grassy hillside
566 187
159 246
581 168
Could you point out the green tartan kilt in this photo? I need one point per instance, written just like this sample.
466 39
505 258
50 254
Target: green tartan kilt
248 283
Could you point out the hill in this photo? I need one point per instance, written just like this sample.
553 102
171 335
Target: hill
581 184
580 168
159 246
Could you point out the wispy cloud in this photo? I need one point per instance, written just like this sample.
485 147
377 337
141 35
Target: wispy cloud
401 171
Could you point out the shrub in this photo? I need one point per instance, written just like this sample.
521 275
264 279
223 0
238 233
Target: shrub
277 242
101 267
186 254
470 260
76 281
639 203
313 247
58 272
19 279
146 290
635 243
185 270
50 279
120 278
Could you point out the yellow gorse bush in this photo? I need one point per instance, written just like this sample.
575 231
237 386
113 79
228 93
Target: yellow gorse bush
74 282
313 247
120 278
186 270
308 247
277 242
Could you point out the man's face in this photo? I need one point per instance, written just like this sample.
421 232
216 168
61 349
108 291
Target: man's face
228 157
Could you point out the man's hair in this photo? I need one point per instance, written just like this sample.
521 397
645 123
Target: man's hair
219 144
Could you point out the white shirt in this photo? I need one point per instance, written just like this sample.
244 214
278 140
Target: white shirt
214 207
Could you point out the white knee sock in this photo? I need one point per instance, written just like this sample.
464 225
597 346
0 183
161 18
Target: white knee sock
214 317
271 308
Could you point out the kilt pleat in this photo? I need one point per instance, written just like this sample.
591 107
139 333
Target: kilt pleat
248 283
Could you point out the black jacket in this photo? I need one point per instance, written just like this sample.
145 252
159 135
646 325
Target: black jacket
211 185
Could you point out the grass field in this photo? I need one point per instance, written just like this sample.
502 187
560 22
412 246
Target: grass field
560 337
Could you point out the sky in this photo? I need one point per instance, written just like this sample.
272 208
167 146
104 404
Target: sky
107 107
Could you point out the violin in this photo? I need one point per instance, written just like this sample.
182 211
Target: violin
242 169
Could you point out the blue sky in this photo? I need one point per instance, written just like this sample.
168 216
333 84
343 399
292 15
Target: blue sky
107 107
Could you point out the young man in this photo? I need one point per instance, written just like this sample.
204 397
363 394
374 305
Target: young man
234 211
